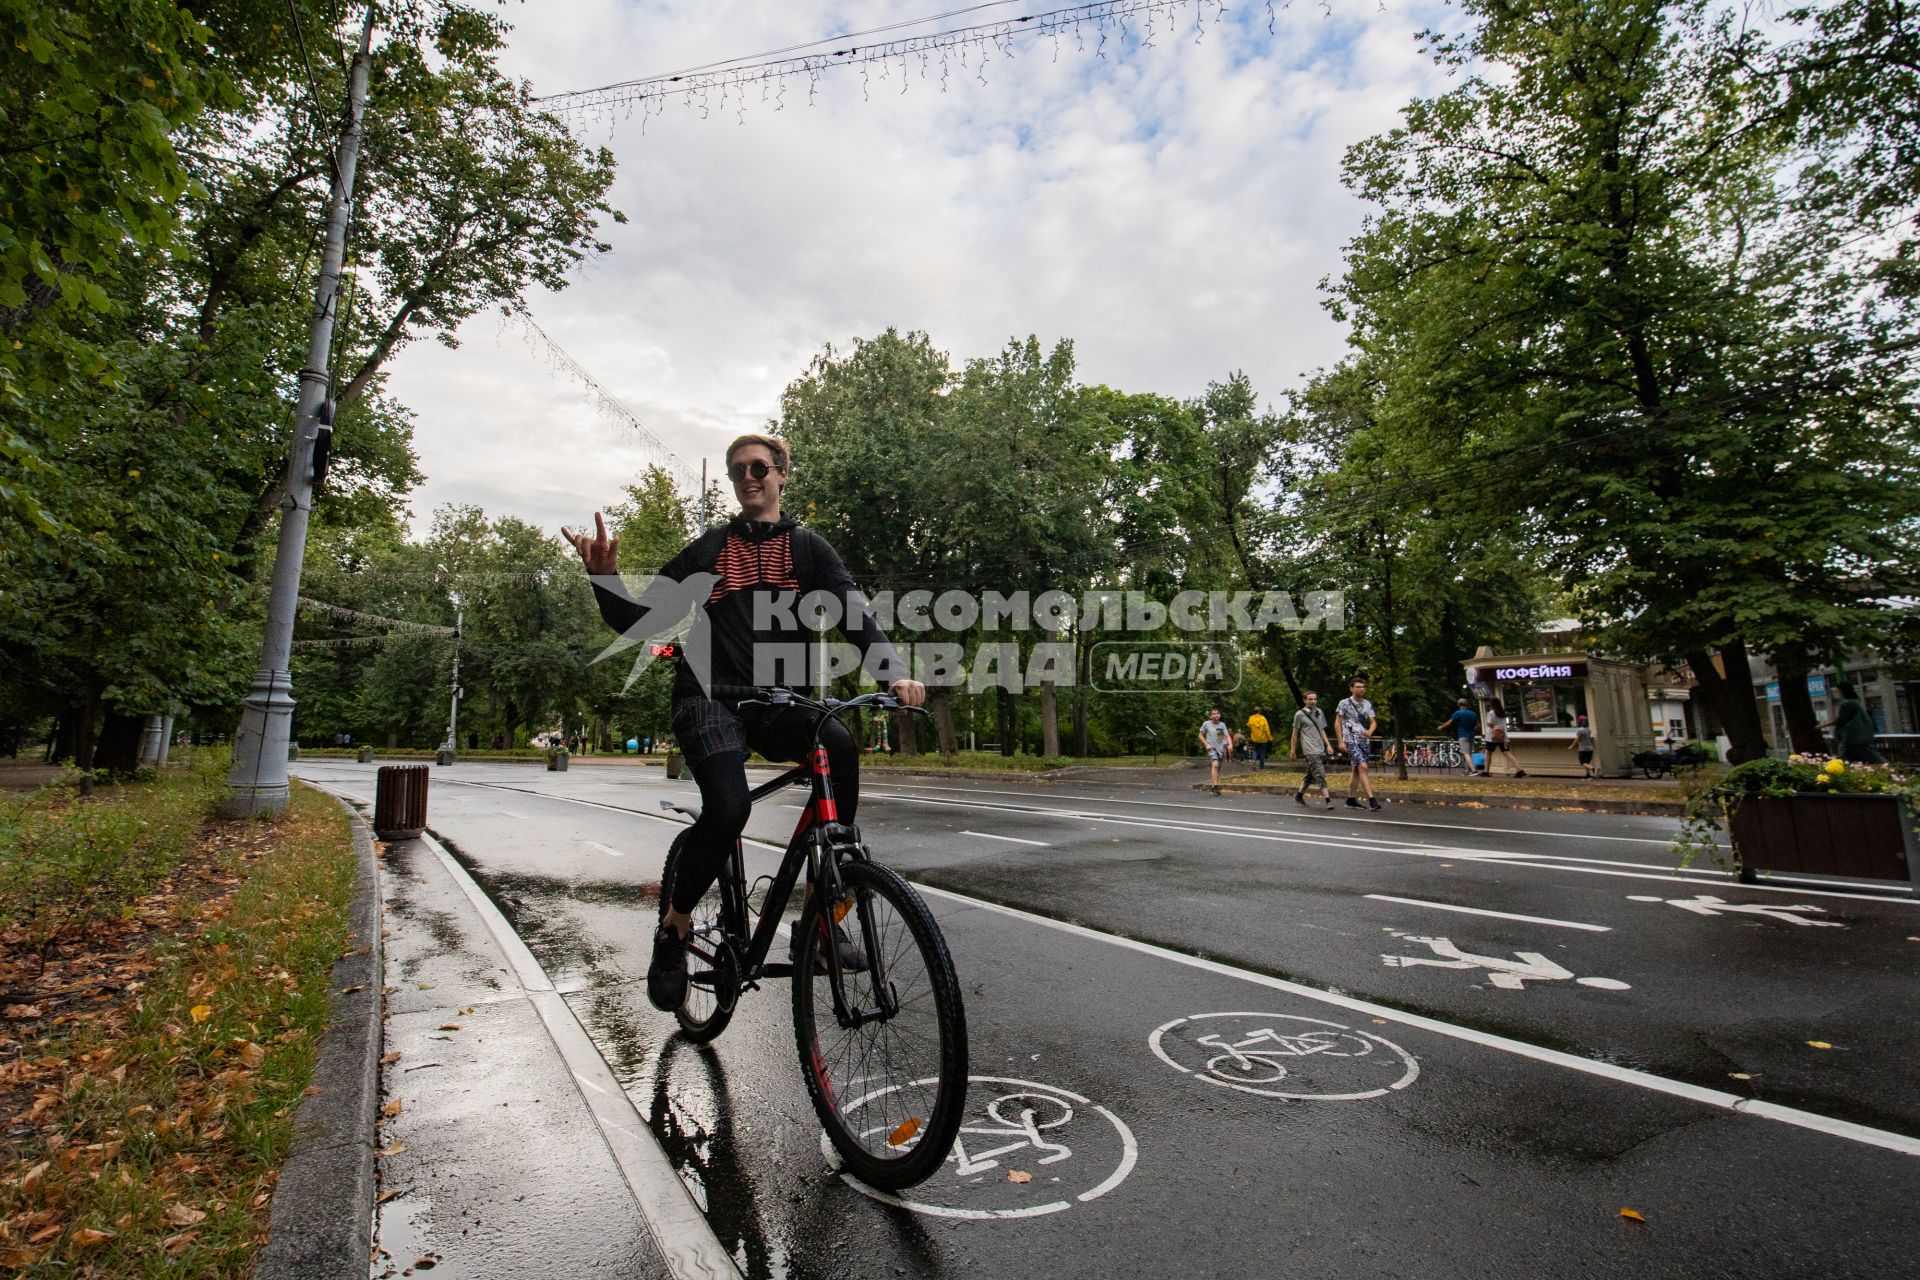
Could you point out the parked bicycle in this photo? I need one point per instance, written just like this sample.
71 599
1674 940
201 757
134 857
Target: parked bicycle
883 1048
1660 762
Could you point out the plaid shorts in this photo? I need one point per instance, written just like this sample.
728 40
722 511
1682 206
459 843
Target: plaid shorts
706 728
1316 771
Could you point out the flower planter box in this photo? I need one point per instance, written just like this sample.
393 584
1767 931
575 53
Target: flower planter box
1856 836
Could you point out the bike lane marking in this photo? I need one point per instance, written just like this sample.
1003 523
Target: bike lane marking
1482 911
1322 1044
1507 975
1010 1120
1707 904
1717 1098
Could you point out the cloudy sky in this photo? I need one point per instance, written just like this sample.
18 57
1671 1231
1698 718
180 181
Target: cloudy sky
1171 210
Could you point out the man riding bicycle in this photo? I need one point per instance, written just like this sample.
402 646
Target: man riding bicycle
760 564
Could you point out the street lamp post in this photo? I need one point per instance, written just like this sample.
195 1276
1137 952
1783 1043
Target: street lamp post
453 715
258 780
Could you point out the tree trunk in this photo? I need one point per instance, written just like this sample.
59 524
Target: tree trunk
1731 697
941 697
1049 720
1803 727
1005 718
906 733
118 750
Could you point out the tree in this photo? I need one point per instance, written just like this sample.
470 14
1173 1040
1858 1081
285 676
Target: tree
1589 281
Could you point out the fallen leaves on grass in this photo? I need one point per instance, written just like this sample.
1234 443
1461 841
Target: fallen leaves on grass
185 1215
200 1012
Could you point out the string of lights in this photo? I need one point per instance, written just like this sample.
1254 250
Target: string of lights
656 450
340 613
940 56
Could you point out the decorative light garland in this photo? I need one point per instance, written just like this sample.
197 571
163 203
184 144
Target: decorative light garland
1091 27
656 450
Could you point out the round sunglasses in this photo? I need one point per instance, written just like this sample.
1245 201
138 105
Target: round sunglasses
741 470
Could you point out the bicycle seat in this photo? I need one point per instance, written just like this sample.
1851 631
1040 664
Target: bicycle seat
692 811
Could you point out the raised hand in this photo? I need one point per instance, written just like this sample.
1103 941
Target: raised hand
600 553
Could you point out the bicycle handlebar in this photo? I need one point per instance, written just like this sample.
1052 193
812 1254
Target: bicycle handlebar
747 695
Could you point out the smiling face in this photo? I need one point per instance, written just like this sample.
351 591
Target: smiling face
759 497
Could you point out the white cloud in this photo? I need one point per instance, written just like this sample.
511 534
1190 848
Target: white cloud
1172 212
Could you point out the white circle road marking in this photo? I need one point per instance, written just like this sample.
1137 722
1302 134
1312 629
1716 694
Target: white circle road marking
983 1160
1265 1047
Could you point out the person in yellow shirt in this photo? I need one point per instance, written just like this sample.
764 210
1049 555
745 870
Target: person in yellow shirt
1260 734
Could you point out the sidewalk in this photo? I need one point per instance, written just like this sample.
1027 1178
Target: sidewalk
507 1147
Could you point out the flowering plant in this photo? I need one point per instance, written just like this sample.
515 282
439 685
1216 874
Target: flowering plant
1710 803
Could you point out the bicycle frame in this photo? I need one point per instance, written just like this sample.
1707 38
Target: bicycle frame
818 843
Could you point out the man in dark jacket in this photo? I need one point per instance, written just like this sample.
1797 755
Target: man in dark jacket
745 633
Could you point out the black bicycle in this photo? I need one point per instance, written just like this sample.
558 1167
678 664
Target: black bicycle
883 1044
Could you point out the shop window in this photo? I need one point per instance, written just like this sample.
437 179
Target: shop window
1878 710
1556 704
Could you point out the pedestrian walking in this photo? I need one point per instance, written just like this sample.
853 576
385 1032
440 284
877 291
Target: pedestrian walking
1260 736
1216 740
1462 724
1583 743
1353 725
1497 743
1853 729
1310 739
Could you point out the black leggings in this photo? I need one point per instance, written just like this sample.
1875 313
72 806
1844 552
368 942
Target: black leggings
723 795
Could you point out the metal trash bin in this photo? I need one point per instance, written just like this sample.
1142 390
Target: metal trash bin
400 801
674 761
366 755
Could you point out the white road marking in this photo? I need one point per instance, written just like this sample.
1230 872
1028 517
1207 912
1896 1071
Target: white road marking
1707 904
1377 844
1298 816
1508 975
1270 1055
609 850
988 835
1519 1048
1503 915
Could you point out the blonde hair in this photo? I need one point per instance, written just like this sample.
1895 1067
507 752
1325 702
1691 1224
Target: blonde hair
772 444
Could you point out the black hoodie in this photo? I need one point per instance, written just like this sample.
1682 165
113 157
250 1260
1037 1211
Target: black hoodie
763 569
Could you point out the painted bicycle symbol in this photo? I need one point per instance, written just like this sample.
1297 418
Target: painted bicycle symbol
1281 1055
1023 1117
1074 1149
1261 1057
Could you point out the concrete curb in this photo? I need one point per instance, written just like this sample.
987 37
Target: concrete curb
1491 800
321 1223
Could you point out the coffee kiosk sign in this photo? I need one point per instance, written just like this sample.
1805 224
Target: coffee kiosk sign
1537 671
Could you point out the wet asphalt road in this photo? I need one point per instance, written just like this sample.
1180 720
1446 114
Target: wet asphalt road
1386 1149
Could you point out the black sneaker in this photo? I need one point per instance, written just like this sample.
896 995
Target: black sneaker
1352 803
1373 804
1300 798
667 974
1328 804
1519 773
852 958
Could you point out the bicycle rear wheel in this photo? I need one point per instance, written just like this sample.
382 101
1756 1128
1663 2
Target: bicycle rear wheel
889 1091
713 968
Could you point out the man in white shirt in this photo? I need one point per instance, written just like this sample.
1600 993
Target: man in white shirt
1353 726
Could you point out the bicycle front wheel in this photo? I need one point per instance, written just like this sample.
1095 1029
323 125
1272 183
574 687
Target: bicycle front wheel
889 1080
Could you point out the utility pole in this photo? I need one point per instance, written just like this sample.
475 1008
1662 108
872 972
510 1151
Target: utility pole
703 495
258 780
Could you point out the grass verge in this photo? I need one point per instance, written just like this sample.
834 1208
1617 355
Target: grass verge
157 1043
